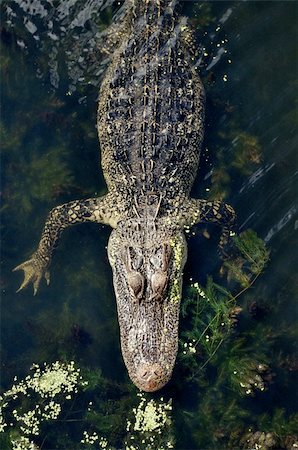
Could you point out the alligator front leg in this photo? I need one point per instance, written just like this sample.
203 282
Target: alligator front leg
216 212
72 213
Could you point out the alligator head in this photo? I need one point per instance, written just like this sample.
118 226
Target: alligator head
147 258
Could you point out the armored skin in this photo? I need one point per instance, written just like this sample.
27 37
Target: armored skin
150 126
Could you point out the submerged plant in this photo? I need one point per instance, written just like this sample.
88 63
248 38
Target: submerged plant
113 417
212 311
230 366
254 439
239 154
247 266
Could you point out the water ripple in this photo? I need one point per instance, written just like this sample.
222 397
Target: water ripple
281 223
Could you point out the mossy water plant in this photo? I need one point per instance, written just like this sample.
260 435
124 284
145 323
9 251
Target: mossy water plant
239 154
36 399
40 409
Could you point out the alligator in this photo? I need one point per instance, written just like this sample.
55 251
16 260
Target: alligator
150 125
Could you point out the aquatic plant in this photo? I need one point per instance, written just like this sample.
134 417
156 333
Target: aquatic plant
42 397
151 425
238 154
272 431
212 311
148 425
229 366
249 264
36 399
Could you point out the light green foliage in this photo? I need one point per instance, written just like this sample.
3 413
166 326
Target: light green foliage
37 399
175 289
127 420
246 375
253 250
110 420
209 313
228 367
151 425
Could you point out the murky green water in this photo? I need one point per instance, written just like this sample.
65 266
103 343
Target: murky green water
50 155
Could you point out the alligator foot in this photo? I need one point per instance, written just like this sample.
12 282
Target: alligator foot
34 271
216 212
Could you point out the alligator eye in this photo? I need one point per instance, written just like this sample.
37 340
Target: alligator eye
137 262
160 258
136 284
156 262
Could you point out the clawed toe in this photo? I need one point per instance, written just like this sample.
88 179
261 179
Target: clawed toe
32 274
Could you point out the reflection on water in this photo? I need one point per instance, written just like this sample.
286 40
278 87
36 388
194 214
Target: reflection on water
51 63
69 36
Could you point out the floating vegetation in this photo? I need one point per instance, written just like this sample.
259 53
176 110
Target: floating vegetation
43 397
151 426
278 432
228 366
37 399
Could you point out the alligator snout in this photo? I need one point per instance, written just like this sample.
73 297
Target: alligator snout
150 377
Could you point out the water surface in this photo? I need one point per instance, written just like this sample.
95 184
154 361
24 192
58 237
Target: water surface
50 79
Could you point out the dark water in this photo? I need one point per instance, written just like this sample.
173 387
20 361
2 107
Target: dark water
50 155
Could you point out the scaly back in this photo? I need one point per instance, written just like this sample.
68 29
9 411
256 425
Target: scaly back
151 107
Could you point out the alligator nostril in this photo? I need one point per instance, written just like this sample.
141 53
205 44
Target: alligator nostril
150 376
